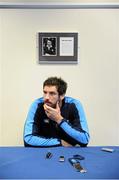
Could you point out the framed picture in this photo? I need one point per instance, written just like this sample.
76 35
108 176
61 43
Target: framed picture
57 47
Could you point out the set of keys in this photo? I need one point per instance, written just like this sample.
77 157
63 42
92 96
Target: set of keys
76 164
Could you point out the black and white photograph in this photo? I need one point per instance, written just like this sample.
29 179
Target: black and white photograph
49 46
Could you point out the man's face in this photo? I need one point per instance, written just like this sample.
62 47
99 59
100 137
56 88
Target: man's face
51 96
49 43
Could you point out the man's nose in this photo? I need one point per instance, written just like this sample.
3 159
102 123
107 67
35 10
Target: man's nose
47 96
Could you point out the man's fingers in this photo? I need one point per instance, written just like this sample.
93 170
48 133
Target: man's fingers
65 144
44 106
57 106
47 108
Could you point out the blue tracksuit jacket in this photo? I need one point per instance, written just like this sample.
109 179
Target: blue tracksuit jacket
40 131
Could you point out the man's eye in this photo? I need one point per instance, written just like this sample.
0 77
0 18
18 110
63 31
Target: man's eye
52 93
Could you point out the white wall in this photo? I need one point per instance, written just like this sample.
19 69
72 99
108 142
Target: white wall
94 80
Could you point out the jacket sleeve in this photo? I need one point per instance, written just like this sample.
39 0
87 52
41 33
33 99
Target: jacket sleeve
77 132
31 139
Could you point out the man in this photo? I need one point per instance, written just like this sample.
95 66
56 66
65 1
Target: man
55 119
49 48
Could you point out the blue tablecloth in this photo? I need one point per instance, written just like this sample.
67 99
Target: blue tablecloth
30 163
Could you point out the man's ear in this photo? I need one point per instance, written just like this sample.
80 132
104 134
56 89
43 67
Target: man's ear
62 97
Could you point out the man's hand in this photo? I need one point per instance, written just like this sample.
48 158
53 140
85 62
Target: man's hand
65 144
53 113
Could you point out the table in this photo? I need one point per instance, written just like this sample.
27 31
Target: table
30 163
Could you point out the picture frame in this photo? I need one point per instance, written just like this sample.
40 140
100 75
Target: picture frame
56 47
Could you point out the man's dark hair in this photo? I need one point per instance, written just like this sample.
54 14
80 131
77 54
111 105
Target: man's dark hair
60 84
